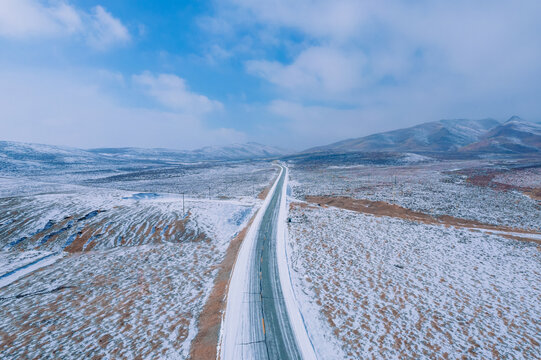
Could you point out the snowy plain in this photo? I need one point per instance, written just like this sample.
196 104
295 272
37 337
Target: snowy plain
124 272
389 287
436 188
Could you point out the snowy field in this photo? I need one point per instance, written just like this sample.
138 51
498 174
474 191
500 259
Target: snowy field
92 219
121 302
376 283
435 188
382 287
224 180
88 269
198 180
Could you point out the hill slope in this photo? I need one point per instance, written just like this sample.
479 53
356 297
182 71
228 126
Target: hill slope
16 156
250 150
443 135
513 136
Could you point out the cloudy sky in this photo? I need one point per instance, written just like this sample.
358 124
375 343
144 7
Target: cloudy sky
292 73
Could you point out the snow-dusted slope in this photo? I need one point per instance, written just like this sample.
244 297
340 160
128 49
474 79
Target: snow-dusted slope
443 135
249 150
241 151
16 156
513 136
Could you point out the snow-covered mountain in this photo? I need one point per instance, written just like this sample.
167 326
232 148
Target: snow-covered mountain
250 150
28 156
240 151
446 135
513 136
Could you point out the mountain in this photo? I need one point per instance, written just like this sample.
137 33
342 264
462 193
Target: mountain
28 156
16 156
443 135
241 151
513 136
250 150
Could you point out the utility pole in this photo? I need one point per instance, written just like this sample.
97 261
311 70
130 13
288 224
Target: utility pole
209 192
183 204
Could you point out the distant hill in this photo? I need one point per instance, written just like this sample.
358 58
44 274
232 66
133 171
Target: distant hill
15 156
28 156
443 135
460 135
513 136
250 150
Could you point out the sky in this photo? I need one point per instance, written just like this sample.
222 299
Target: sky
291 73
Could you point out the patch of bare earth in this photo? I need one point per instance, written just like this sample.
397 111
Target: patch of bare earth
205 344
382 208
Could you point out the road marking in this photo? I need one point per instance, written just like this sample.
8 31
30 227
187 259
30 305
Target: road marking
263 321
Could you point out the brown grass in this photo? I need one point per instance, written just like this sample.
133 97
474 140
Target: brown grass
80 240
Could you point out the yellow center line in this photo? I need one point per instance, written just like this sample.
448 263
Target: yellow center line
263 321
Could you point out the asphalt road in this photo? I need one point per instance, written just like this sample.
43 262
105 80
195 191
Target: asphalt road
270 335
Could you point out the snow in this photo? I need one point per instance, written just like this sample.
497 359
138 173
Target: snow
146 268
522 178
415 158
234 321
27 266
296 319
385 287
390 288
431 188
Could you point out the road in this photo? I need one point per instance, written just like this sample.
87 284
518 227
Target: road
262 320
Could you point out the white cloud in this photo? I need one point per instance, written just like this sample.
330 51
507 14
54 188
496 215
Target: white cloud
22 19
369 66
105 30
317 72
479 40
75 108
338 19
172 92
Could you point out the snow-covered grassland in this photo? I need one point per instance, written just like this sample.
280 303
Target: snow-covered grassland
122 303
523 178
92 219
386 287
225 179
436 188
381 287
127 272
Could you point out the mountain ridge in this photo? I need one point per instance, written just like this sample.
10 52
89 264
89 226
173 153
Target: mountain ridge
448 135
22 155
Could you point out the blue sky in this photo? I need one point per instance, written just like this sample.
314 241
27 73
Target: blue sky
292 73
